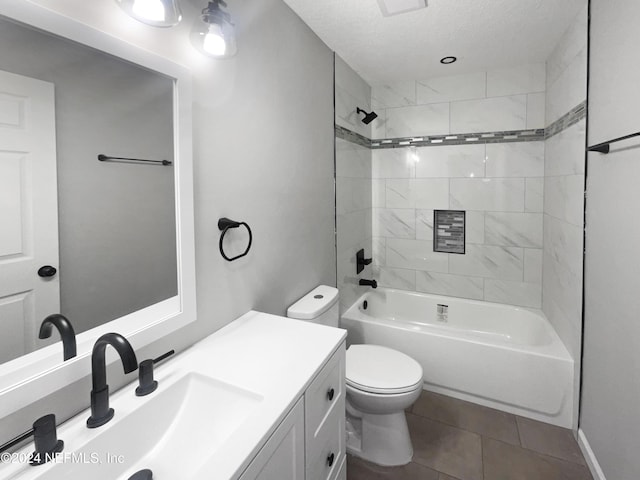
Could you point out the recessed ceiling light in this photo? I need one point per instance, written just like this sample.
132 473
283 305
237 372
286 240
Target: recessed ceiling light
448 60
395 7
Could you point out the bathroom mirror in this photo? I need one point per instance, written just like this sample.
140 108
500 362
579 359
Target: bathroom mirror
119 233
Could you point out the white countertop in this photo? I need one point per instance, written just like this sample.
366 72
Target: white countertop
273 356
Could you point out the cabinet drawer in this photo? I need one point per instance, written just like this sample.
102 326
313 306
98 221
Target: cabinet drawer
325 394
326 453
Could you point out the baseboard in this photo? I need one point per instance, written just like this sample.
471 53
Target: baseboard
589 456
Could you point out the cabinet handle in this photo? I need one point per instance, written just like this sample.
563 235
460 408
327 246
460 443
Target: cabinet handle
330 459
330 393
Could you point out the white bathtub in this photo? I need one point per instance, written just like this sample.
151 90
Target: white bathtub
501 356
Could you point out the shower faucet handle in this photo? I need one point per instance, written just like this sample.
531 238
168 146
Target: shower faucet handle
361 261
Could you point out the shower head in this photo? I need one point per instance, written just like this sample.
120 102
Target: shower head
368 117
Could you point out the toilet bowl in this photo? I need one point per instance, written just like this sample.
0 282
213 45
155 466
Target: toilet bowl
380 383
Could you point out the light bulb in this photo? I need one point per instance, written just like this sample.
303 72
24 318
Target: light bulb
157 13
214 42
152 10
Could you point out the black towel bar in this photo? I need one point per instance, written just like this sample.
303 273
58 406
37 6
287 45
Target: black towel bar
107 158
605 147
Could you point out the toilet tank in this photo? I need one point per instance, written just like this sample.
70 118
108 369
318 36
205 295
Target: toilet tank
320 305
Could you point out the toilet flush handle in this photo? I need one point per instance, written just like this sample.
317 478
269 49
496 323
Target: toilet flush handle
330 393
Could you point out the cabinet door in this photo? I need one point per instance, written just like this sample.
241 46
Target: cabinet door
282 458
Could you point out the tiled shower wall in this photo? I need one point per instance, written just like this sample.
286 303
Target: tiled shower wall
353 183
564 188
500 185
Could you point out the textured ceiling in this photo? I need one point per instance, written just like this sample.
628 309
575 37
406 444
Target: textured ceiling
481 33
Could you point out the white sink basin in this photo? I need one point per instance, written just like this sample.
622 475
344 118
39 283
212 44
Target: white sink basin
172 432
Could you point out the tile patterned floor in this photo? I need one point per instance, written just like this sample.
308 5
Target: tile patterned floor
458 440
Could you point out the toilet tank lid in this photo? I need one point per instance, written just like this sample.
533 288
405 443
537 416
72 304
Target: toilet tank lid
314 303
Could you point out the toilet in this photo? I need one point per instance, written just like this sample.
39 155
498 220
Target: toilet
380 382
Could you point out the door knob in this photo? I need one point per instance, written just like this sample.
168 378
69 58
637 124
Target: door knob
47 271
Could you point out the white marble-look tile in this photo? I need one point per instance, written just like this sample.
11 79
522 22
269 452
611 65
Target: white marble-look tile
397 94
450 161
492 194
573 41
516 80
513 229
392 163
379 251
489 114
452 87
536 110
565 151
569 90
352 228
431 193
534 194
379 125
348 80
504 263
533 265
346 115
344 198
519 159
418 193
378 194
416 255
475 227
396 223
361 193
418 120
564 198
424 225
450 285
513 293
562 266
352 160
400 278
399 193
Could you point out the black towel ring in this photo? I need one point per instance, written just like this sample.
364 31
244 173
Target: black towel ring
225 224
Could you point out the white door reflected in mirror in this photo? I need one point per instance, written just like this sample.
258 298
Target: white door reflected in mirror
28 211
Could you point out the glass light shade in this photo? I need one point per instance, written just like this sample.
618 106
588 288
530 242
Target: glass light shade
157 13
216 39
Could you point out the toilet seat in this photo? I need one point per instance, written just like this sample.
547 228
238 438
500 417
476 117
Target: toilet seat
381 370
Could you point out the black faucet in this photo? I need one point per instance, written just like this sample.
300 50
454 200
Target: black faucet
368 283
67 334
100 411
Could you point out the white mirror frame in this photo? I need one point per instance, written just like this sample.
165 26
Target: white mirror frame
43 372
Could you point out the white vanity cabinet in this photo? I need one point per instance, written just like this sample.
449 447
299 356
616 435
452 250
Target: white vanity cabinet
309 444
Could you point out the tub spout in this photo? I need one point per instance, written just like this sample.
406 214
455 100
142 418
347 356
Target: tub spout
368 283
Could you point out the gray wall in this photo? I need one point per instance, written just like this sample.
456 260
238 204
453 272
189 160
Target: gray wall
263 153
611 382
116 221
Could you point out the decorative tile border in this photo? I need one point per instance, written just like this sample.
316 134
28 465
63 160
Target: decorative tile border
571 118
353 137
461 139
536 135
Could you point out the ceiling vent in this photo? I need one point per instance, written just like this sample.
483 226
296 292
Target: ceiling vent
395 7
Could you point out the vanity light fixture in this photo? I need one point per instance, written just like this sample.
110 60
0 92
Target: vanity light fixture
157 13
213 33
